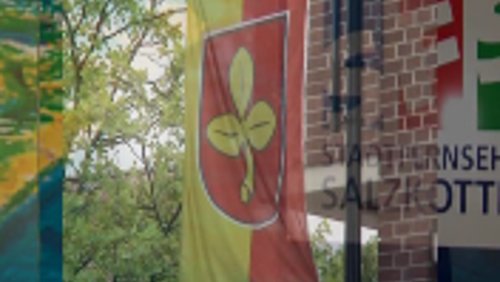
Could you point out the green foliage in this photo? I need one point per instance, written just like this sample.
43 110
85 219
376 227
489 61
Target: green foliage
330 262
121 223
370 261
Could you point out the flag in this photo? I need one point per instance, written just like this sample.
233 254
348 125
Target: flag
244 207
31 142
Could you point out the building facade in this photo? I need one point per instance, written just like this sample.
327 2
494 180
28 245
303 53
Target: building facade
399 134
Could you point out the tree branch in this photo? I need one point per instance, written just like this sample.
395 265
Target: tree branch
143 21
103 15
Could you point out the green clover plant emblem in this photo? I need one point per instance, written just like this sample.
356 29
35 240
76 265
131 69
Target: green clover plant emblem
248 130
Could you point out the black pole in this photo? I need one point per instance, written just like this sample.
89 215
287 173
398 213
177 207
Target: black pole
354 66
336 34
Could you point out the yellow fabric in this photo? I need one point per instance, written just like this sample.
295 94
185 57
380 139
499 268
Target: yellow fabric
214 249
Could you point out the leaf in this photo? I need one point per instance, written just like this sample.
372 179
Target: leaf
225 134
241 75
260 125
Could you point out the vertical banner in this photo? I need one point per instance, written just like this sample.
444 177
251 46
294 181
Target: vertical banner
244 208
31 142
51 147
469 140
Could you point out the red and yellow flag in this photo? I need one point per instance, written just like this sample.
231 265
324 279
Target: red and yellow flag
244 208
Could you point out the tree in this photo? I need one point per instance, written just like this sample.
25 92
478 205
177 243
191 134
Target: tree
330 261
369 266
121 223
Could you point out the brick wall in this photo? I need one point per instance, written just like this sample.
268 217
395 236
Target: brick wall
321 142
401 94
406 223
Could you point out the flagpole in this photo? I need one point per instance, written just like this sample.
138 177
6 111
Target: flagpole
354 66
336 97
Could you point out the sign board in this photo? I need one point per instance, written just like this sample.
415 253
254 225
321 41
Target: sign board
468 184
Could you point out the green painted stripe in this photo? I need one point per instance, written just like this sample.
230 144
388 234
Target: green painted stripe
488 106
488 50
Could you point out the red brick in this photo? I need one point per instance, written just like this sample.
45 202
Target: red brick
402 228
413 33
385 261
394 37
388 82
431 2
431 119
389 275
318 62
419 272
369 107
413 92
422 135
392 214
389 23
387 170
317 144
413 122
424 75
317 130
417 242
423 45
317 159
403 108
422 225
430 60
421 106
315 89
319 7
389 96
388 111
368 135
393 67
421 257
413 63
316 104
424 15
390 246
318 35
391 8
402 260
405 49
405 79
317 48
320 75
386 230
411 5
405 138
405 20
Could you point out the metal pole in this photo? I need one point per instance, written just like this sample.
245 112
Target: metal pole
354 65
336 97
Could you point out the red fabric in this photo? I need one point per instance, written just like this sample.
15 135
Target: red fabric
267 54
281 252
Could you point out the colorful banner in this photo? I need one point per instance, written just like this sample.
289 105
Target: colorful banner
31 142
469 140
244 208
